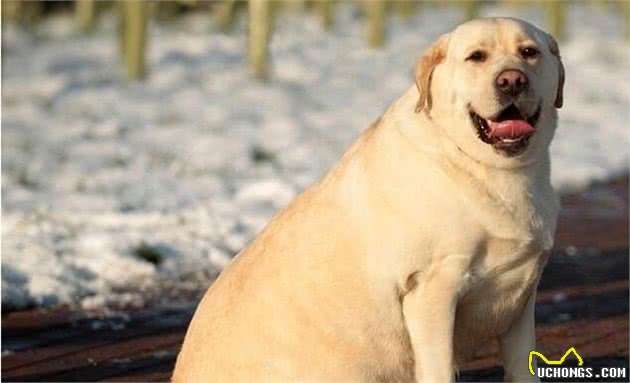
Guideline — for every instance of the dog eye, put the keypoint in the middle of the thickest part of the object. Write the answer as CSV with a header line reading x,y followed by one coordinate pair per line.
x,y
477,56
529,52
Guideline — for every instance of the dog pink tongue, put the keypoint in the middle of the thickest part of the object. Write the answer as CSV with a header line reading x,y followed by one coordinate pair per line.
x,y
510,128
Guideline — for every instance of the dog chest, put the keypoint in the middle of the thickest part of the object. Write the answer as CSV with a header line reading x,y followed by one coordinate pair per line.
x,y
499,288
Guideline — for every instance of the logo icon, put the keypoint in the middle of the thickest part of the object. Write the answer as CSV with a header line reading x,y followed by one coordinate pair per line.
x,y
553,362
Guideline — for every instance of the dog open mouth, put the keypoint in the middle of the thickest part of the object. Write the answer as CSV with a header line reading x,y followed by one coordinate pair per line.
x,y
509,132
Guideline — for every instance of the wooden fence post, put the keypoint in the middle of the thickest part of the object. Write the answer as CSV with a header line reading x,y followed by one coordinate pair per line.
x,y
326,10
626,18
511,3
85,13
133,29
597,3
164,10
471,9
556,18
26,13
375,10
259,37
11,11
405,8
224,14
293,5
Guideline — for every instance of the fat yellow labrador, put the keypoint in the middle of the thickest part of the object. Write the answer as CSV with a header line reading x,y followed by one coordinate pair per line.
x,y
425,241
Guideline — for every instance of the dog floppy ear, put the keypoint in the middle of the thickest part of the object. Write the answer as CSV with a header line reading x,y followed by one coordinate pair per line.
x,y
424,70
553,47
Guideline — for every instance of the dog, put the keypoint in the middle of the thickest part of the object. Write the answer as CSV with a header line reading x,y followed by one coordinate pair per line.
x,y
426,240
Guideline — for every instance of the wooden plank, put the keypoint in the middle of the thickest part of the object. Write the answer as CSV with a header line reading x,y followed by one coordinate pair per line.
x,y
583,307
546,296
594,339
27,323
97,358
584,269
595,218
495,374
87,333
159,373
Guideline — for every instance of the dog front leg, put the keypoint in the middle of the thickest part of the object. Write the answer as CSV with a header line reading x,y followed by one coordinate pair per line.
x,y
429,311
517,343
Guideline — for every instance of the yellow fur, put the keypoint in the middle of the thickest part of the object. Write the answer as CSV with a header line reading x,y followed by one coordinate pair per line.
x,y
420,245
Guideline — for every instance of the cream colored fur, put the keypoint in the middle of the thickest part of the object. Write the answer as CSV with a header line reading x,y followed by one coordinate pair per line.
x,y
419,246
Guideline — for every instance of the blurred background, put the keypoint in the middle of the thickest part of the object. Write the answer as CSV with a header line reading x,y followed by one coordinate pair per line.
x,y
144,143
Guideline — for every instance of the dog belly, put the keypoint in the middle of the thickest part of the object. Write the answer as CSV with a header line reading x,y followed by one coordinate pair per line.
x,y
264,331
287,350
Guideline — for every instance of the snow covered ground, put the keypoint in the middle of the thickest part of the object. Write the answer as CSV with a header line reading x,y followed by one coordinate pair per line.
x,y
110,188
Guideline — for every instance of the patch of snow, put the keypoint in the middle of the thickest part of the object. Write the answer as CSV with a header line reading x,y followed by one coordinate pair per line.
x,y
112,187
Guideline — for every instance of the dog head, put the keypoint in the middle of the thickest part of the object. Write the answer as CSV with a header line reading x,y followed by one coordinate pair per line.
x,y
493,85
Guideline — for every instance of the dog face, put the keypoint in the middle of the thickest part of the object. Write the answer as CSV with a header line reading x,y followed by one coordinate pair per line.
x,y
493,85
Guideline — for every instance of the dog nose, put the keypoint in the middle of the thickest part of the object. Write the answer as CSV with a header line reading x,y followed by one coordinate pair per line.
x,y
512,82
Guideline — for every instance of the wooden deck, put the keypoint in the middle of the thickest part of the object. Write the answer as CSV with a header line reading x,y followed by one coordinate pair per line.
x,y
582,303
